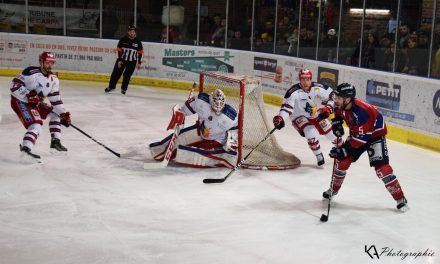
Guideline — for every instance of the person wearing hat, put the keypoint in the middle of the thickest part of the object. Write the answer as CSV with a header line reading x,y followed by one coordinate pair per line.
x,y
130,52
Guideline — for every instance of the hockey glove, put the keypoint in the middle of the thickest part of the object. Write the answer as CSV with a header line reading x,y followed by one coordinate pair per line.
x,y
65,119
278,122
33,98
231,142
340,152
177,119
325,112
338,129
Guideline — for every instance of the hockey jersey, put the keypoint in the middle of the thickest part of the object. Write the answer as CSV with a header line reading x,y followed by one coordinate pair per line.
x,y
298,102
211,126
364,121
45,86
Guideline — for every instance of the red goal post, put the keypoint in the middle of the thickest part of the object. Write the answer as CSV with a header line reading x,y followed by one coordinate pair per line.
x,y
245,94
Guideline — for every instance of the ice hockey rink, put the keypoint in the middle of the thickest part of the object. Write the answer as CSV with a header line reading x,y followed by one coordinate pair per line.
x,y
90,206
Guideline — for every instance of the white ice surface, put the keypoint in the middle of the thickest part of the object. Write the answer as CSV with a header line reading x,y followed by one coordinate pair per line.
x,y
92,207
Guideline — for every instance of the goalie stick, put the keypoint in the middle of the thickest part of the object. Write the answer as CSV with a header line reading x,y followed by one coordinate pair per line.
x,y
220,180
172,144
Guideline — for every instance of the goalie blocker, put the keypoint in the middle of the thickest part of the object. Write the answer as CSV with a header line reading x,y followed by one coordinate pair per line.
x,y
212,142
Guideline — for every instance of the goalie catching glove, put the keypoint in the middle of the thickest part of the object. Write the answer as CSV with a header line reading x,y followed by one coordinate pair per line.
x,y
177,119
231,141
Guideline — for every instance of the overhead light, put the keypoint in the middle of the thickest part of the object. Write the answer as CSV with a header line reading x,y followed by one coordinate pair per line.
x,y
370,11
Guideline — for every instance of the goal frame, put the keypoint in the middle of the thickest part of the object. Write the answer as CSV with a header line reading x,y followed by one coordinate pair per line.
x,y
241,80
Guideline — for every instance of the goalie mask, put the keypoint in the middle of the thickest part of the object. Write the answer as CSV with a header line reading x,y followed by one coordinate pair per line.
x,y
217,101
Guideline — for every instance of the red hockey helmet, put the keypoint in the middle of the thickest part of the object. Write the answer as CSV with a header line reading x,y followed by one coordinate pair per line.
x,y
47,56
305,73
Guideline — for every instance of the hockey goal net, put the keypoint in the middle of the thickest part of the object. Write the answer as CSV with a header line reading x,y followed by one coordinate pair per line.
x,y
246,96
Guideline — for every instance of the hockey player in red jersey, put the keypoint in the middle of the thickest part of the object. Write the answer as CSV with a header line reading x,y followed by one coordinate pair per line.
x,y
35,96
367,133
300,106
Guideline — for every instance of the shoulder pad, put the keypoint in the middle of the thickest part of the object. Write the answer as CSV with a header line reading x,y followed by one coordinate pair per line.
x,y
204,97
31,70
316,84
291,90
229,111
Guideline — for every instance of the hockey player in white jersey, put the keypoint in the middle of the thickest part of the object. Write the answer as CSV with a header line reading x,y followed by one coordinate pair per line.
x,y
308,105
212,141
35,96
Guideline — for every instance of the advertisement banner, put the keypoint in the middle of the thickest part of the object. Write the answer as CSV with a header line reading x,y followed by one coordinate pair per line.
x,y
50,17
410,102
328,76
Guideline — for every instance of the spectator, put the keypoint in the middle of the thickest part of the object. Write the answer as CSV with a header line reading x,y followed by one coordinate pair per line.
x,y
293,42
401,59
413,54
403,36
237,42
368,50
218,37
328,46
436,65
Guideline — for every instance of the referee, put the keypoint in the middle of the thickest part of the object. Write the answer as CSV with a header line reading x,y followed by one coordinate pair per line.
x,y
130,52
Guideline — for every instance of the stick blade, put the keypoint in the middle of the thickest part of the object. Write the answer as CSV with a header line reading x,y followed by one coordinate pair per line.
x,y
324,218
208,181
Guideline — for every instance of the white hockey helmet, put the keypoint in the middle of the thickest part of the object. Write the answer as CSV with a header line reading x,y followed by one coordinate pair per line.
x,y
217,101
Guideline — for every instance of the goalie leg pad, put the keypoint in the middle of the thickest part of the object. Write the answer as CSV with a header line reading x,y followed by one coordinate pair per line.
x,y
200,158
187,136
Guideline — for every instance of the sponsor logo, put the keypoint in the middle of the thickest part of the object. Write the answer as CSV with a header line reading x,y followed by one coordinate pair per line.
x,y
328,77
178,53
436,103
264,64
383,95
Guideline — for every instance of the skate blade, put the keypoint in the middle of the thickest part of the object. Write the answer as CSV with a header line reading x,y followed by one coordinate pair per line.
x,y
55,152
26,159
404,209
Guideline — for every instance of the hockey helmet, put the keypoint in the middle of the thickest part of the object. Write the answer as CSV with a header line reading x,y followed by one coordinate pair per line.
x,y
47,56
217,101
345,90
305,73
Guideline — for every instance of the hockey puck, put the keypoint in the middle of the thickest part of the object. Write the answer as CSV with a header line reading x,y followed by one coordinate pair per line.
x,y
323,218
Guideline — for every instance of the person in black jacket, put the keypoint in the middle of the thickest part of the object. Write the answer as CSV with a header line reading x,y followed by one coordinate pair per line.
x,y
130,52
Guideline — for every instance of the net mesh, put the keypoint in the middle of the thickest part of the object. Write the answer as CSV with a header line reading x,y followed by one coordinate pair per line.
x,y
254,126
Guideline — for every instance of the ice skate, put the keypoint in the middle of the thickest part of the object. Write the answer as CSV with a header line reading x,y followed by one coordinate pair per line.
x,y
27,156
56,147
329,193
320,159
108,89
402,205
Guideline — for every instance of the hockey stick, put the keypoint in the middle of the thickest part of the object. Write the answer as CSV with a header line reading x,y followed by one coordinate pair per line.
x,y
220,180
87,135
324,218
172,143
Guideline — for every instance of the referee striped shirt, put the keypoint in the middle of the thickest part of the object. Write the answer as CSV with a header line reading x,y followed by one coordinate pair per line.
x,y
130,50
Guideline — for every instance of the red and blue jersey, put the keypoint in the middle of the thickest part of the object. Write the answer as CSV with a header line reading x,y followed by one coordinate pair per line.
x,y
364,121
